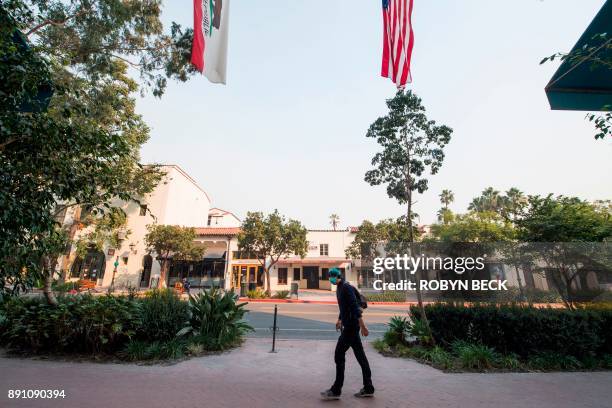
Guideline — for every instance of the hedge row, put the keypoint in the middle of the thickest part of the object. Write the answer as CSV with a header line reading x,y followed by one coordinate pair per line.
x,y
524,331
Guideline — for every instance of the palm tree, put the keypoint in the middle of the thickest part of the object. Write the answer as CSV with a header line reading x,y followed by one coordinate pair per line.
x,y
446,198
514,202
334,220
489,200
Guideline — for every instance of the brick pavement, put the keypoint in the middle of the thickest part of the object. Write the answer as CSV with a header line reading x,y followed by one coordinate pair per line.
x,y
293,377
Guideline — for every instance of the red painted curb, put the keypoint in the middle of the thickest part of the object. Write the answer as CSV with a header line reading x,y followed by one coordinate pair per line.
x,y
320,302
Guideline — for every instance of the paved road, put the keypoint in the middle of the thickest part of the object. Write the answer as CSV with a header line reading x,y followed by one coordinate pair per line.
x,y
313,321
252,377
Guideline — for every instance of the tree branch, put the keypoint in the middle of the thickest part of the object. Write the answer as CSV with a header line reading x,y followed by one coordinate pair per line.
x,y
55,22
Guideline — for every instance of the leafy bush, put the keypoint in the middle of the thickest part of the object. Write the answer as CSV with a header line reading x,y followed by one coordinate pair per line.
x,y
438,357
281,294
164,314
419,330
393,296
216,319
138,350
77,324
554,361
398,332
475,356
65,287
523,331
257,294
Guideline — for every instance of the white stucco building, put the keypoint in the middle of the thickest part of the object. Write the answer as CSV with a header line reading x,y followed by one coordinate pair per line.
x,y
177,200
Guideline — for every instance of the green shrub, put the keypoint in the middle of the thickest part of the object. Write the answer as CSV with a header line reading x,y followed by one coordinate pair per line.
x,y
524,331
476,356
65,287
281,294
81,323
438,357
257,294
553,361
398,331
510,362
217,319
419,330
138,350
393,296
164,314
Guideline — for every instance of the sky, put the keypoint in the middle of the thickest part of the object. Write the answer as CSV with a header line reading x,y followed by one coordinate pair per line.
x,y
287,132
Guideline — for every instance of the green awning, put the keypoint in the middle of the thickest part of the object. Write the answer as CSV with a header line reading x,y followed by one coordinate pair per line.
x,y
582,84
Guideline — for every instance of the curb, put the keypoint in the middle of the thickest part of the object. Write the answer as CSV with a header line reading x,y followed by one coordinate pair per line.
x,y
320,302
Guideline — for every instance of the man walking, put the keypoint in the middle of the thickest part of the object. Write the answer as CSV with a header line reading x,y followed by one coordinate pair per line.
x,y
350,323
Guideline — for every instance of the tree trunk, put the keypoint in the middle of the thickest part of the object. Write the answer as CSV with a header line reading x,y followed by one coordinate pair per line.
x,y
163,273
268,285
408,186
48,270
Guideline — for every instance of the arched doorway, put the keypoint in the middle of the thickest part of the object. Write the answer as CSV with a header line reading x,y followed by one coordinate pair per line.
x,y
91,267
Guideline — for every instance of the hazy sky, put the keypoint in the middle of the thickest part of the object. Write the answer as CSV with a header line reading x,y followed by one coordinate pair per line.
x,y
288,130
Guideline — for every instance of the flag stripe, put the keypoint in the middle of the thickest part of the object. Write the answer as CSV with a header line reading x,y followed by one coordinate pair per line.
x,y
197,47
398,41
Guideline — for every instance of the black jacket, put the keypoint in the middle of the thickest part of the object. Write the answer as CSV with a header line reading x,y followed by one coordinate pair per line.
x,y
350,312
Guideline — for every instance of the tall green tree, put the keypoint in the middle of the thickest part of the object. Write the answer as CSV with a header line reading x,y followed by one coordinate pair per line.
x,y
271,237
172,243
564,232
411,146
83,150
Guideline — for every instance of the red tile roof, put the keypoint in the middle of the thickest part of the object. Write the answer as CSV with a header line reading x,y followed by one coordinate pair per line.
x,y
218,231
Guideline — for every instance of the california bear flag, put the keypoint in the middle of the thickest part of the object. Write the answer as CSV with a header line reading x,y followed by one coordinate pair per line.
x,y
210,33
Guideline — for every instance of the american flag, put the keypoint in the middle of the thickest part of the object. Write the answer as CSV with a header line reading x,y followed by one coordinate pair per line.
x,y
398,40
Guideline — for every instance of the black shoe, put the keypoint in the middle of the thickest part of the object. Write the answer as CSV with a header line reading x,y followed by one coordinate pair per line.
x,y
363,393
329,395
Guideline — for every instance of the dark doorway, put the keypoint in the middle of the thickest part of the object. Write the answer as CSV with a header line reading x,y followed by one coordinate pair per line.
x,y
147,264
91,267
311,274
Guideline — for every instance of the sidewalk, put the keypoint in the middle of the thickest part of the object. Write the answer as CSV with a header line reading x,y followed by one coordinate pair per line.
x,y
293,377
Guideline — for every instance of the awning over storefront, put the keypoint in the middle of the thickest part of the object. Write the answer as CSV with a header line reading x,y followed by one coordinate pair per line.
x,y
583,83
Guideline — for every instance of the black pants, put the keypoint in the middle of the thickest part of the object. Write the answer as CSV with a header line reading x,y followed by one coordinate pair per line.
x,y
349,338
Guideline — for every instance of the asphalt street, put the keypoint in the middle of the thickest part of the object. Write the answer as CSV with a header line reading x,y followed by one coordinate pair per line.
x,y
313,321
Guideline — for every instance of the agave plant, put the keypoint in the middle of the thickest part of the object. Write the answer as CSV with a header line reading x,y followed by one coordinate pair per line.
x,y
216,319
399,329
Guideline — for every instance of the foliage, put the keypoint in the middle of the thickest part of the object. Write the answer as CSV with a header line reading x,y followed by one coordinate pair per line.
x,y
138,350
172,241
78,324
474,356
65,287
524,331
411,144
216,319
564,219
107,228
84,149
597,54
508,206
371,239
281,294
391,296
270,238
474,227
398,331
163,315
257,294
